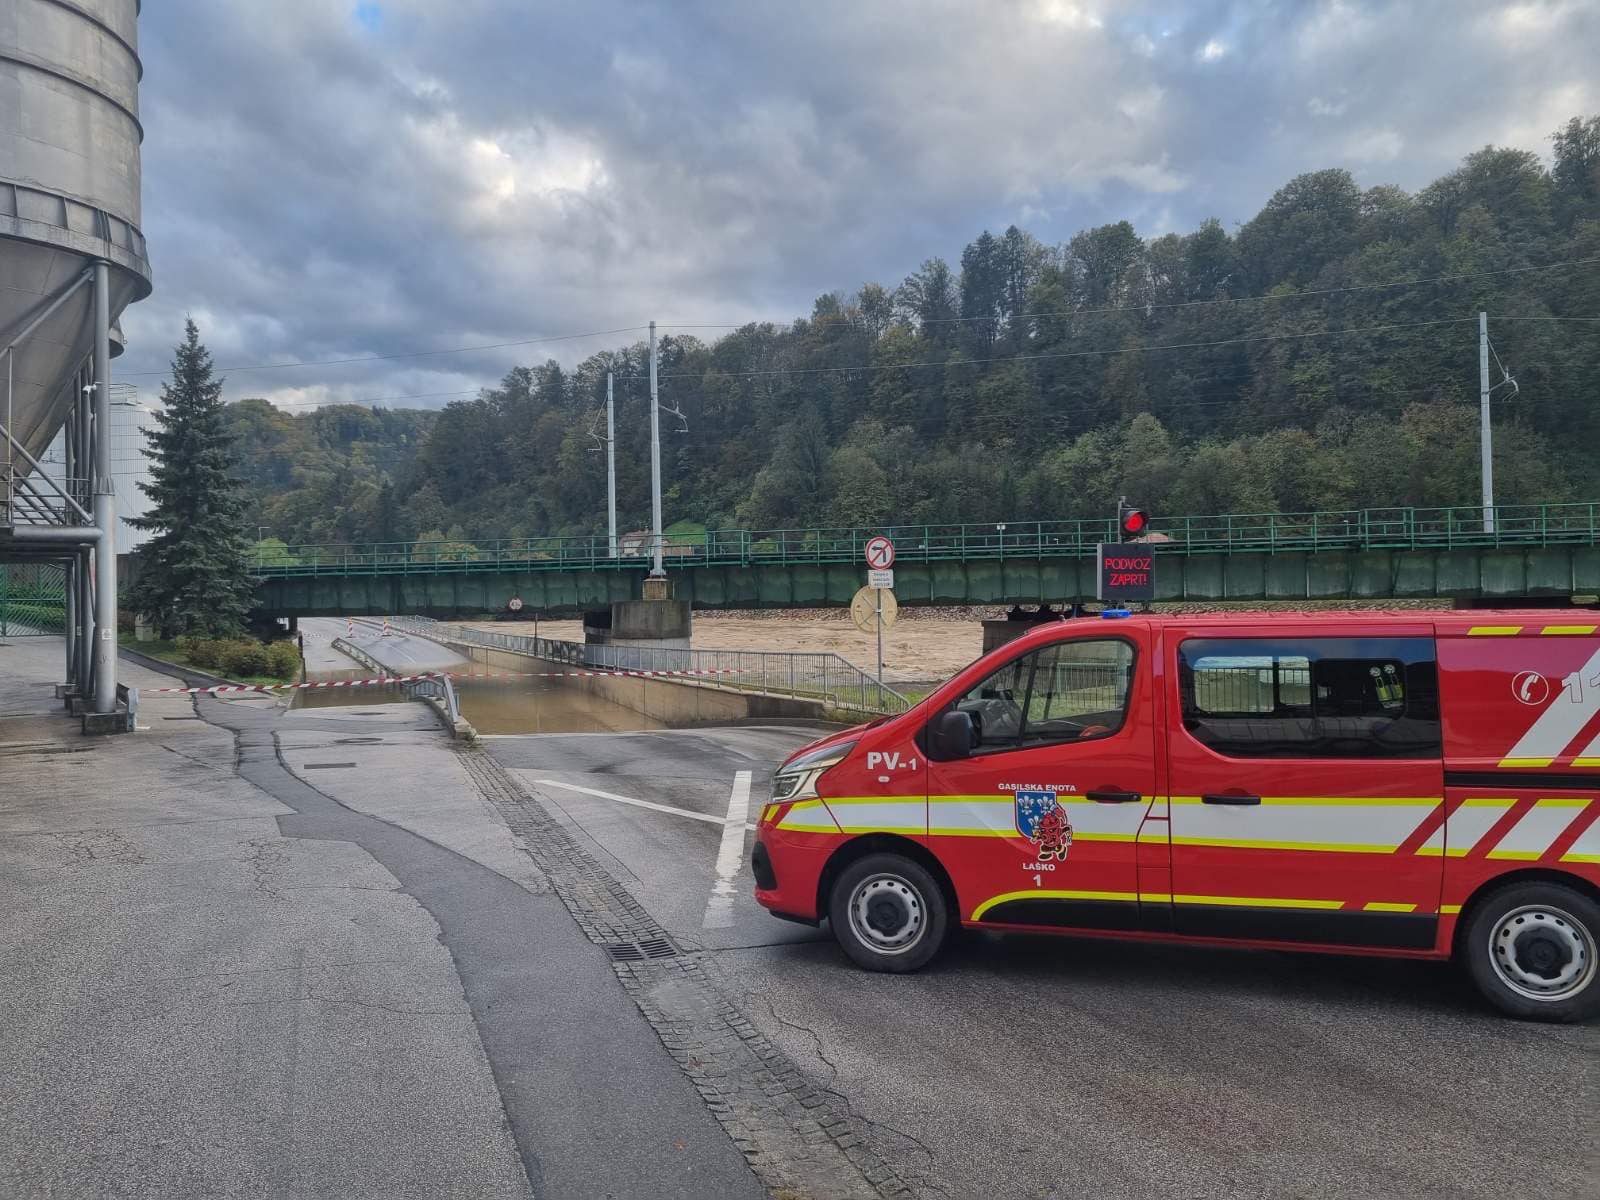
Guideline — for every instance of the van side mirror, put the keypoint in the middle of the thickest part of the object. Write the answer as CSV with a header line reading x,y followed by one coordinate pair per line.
x,y
951,736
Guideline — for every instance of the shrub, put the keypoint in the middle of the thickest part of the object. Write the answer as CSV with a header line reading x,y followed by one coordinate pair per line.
x,y
203,652
283,660
244,658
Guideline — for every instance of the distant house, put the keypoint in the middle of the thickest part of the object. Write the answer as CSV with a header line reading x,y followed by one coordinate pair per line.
x,y
636,544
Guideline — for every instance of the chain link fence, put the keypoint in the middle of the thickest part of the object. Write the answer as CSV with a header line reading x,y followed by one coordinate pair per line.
x,y
33,600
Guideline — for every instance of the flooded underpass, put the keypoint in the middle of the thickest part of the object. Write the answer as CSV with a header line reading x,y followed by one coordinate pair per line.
x,y
504,706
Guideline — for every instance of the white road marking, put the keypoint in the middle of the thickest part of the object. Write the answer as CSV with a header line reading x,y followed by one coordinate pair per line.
x,y
650,804
730,855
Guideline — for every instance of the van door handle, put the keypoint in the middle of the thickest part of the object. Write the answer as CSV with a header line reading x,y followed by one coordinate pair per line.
x,y
1112,797
1224,798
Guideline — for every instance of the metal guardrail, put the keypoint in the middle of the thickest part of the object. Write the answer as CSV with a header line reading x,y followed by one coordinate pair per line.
x,y
437,687
128,697
430,687
827,678
1352,529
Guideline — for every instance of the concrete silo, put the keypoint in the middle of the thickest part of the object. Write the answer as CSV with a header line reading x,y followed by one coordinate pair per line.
x,y
71,258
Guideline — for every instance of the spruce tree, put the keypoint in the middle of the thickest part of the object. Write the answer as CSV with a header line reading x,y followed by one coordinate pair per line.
x,y
194,573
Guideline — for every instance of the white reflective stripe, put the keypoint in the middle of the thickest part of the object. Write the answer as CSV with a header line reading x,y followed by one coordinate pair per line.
x,y
1471,821
1540,826
1433,847
1587,848
1589,756
979,816
1376,829
1560,722
973,816
808,816
891,814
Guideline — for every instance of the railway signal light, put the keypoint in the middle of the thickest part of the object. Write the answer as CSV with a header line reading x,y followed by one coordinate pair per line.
x,y
1131,521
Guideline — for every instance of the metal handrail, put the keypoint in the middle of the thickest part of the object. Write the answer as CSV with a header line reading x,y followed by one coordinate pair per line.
x,y
825,677
1395,528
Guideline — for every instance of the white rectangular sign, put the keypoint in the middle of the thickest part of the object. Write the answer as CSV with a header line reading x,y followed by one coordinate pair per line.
x,y
881,579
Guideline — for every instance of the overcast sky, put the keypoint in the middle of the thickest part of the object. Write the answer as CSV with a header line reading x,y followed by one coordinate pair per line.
x,y
332,178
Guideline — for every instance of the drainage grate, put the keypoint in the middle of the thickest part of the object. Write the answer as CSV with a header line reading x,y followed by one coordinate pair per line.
x,y
639,951
326,766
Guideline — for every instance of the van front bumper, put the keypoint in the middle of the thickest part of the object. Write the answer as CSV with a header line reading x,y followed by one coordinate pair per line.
x,y
787,867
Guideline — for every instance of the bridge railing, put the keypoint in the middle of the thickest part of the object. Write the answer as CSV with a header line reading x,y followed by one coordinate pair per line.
x,y
827,678
1350,529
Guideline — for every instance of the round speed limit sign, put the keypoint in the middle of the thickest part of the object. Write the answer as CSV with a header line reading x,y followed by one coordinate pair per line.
x,y
880,553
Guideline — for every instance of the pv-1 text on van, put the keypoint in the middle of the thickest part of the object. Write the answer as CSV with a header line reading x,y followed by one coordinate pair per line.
x,y
1423,785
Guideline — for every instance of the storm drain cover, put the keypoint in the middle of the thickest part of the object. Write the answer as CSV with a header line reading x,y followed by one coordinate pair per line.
x,y
641,950
327,766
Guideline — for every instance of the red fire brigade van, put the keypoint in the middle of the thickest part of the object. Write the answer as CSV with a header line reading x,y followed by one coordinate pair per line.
x,y
1412,784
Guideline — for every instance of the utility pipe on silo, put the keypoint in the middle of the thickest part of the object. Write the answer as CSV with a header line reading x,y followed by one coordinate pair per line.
x,y
105,515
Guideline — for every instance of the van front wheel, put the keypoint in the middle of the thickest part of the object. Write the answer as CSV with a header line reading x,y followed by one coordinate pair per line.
x,y
1531,949
888,913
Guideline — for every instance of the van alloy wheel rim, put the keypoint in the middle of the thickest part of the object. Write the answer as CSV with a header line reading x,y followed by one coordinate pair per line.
x,y
1542,953
887,914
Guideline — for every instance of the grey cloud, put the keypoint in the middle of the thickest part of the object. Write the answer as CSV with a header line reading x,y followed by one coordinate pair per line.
x,y
479,172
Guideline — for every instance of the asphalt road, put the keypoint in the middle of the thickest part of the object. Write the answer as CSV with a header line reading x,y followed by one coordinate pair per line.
x,y
399,651
1050,1067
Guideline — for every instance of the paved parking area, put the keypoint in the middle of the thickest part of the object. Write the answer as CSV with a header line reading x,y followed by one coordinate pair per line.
x,y
1050,1067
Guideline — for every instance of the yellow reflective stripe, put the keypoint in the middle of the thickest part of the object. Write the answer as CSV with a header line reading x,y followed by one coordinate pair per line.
x,y
1449,909
1046,894
1517,855
1586,762
1383,906
1255,844
1257,902
1488,802
1330,801
1156,897
1579,630
1563,802
1569,856
1430,851
1513,763
1493,630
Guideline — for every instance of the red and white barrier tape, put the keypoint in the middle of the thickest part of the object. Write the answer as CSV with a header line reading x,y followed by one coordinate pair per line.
x,y
222,689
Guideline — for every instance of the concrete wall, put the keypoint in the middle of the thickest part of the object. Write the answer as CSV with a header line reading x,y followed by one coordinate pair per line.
x,y
665,700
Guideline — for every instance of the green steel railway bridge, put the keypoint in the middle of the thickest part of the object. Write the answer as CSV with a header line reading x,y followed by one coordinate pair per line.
x,y
1547,553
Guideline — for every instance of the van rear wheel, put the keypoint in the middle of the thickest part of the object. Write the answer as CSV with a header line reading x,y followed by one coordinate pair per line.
x,y
888,913
1532,950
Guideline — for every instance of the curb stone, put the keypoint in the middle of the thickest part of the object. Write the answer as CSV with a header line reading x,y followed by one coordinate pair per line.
x,y
799,1139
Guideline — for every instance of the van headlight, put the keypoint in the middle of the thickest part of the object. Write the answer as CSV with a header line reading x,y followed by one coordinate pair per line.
x,y
797,780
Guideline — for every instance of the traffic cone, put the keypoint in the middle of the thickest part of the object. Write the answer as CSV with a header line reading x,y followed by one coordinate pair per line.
x,y
386,627
349,627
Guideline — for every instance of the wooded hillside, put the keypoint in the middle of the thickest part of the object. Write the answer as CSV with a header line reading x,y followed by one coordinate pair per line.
x,y
1289,364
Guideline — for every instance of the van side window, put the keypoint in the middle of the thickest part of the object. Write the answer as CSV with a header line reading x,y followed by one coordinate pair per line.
x,y
1312,697
1068,692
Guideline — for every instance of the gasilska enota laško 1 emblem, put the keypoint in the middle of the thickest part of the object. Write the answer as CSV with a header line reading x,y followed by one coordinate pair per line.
x,y
1044,822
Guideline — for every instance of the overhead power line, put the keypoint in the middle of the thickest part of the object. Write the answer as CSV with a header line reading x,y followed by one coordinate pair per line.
x,y
962,362
1057,314
330,362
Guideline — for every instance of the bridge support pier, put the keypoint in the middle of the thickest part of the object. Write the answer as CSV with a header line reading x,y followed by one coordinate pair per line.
x,y
643,624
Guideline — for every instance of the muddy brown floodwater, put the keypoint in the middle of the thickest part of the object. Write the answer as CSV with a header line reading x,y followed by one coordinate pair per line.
x,y
505,706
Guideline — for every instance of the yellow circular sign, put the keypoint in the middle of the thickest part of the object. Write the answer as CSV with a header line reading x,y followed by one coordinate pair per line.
x,y
864,608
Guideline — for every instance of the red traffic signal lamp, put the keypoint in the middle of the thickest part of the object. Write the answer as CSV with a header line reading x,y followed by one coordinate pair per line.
x,y
1132,522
